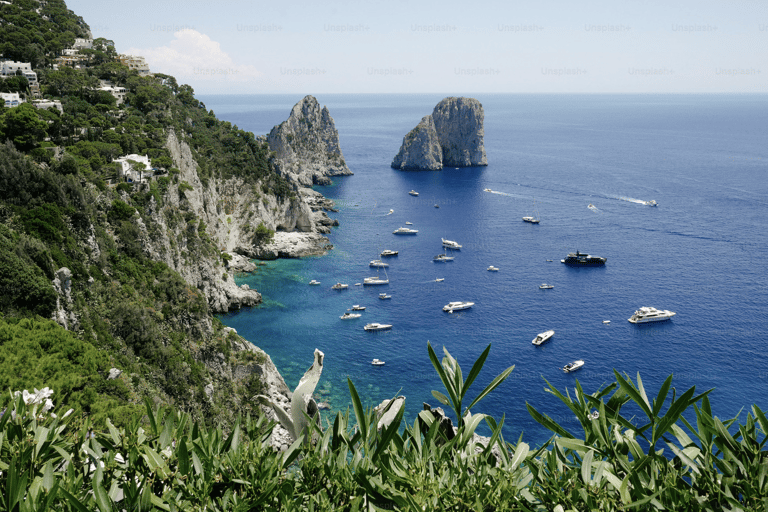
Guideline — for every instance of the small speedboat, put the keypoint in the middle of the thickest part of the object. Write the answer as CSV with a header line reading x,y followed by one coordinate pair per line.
x,y
339,286
377,362
572,367
437,206
442,258
383,296
357,308
413,193
546,286
350,316
606,322
408,223
314,282
388,252
375,326
439,279
651,203
358,284
450,244
457,306
543,337
493,269
487,190
377,263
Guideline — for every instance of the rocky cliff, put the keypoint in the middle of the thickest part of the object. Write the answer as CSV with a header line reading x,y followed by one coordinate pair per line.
x,y
452,136
307,145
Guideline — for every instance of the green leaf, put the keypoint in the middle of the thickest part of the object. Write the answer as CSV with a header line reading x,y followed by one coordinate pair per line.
x,y
547,422
182,455
442,398
441,373
521,451
586,468
99,493
362,420
493,385
74,502
113,433
630,390
662,396
150,415
673,413
475,371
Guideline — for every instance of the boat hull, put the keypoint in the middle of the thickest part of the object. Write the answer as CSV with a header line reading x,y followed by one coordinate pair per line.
x,y
647,320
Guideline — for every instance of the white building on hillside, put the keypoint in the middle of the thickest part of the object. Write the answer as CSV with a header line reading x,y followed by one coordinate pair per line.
x,y
135,62
11,99
46,104
8,68
116,91
83,43
135,173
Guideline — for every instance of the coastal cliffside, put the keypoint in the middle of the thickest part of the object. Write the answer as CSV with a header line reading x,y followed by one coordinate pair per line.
x,y
452,136
307,145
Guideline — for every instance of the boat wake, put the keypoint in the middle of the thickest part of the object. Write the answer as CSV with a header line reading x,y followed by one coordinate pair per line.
x,y
632,200
594,208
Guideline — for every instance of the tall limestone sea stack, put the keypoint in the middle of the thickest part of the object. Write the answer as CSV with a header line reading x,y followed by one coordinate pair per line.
x,y
307,145
452,136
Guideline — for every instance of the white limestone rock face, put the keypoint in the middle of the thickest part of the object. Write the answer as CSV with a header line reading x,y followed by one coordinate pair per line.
x,y
421,149
459,126
307,145
452,136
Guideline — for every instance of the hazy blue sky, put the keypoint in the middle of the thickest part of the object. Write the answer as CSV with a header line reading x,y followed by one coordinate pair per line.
x,y
398,46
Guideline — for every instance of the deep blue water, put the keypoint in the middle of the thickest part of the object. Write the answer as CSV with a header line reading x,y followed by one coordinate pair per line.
x,y
701,253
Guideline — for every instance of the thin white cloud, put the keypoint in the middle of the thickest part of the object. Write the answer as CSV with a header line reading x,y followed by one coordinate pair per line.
x,y
193,57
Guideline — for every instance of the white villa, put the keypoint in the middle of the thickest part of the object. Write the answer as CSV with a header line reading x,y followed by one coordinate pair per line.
x,y
132,174
11,99
135,62
116,91
8,68
46,104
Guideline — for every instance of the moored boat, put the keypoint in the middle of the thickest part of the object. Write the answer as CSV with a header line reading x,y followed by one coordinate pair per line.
x,y
375,326
388,252
349,316
545,286
377,362
493,269
543,337
339,286
647,314
314,282
457,306
572,367
583,260
413,193
450,244
405,231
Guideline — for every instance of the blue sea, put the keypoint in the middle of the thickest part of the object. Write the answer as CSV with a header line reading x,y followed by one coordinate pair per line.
x,y
700,253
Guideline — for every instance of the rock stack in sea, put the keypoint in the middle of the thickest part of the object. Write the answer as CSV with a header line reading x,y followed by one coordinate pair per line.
x,y
452,136
307,145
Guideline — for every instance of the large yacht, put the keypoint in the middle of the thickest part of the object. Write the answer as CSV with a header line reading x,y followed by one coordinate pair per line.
x,y
585,260
648,314
405,231
377,327
456,306
388,252
378,263
543,337
450,244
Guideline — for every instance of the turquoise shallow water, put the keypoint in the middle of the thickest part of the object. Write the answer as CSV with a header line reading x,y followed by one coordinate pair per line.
x,y
700,253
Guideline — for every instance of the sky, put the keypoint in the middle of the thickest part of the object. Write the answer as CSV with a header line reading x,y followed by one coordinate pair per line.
x,y
428,46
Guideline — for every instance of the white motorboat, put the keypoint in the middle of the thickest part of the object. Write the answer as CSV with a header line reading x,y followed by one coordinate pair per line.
x,y
314,282
439,279
350,316
457,306
413,193
606,322
487,190
339,286
377,362
442,258
383,296
437,206
545,286
543,337
375,280
357,308
493,269
391,212
450,244
648,314
408,223
378,263
405,231
358,284
572,367
388,252
651,203
375,326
